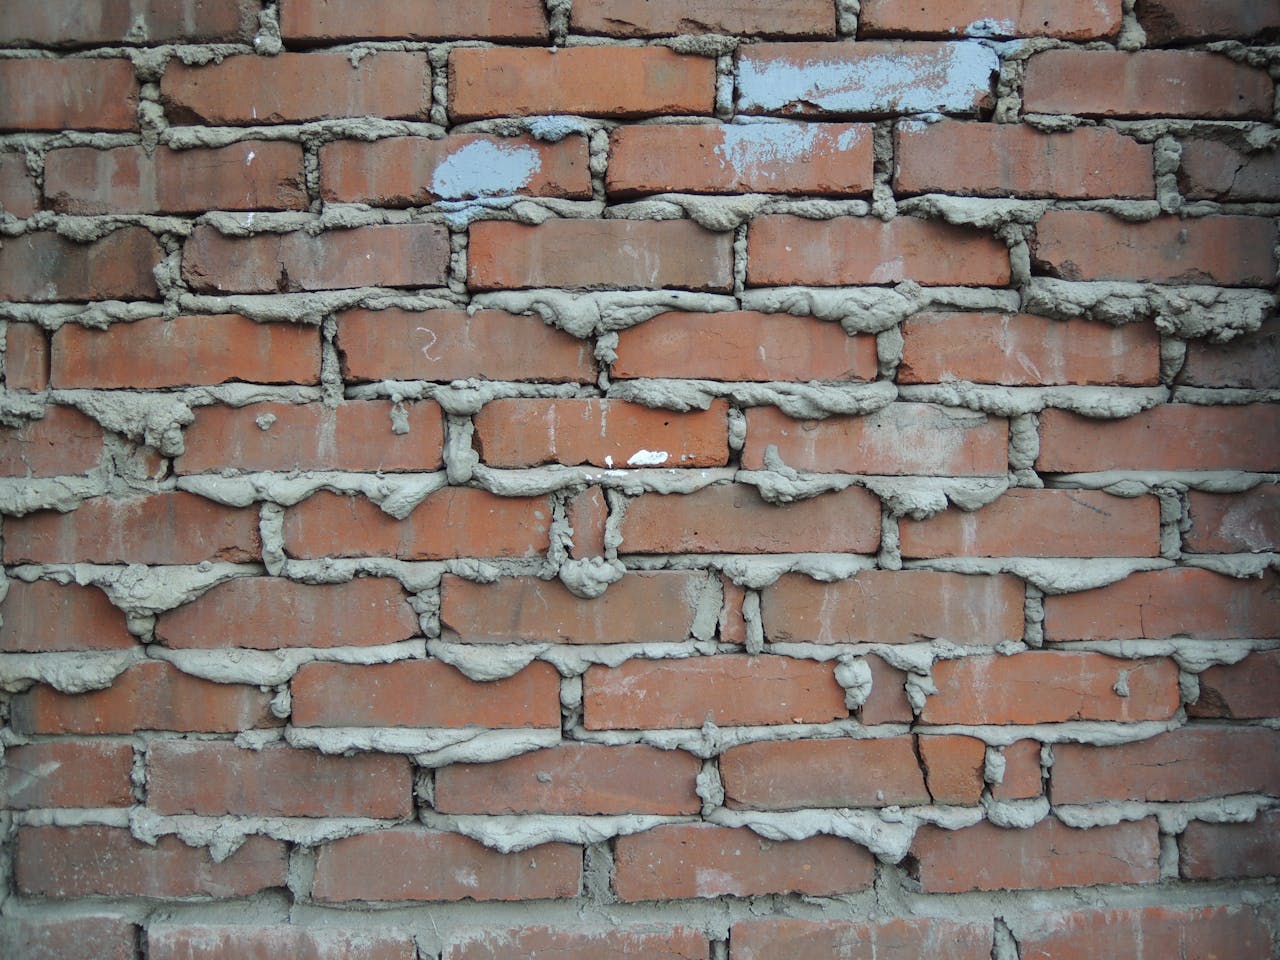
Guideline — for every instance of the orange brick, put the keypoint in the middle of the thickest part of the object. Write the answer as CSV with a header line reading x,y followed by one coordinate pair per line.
x,y
1022,774
1211,851
887,702
766,939
42,267
67,773
655,18
1232,523
45,616
26,357
680,943
1239,691
61,94
1208,932
1215,171
985,18
953,768
45,937
318,21
267,943
18,193
63,442
733,626
587,513
72,23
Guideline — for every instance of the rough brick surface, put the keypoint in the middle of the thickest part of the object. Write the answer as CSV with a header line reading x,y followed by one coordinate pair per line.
x,y
1149,932
818,940
26,358
679,943
43,267
46,616
316,21
1213,851
1173,20
68,23
77,94
104,937
266,943
650,18
67,774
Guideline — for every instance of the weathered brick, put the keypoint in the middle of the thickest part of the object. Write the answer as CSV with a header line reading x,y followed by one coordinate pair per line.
x,y
58,23
642,607
1233,523
1149,83
1174,20
580,778
733,518
1148,932
18,193
388,255
1051,687
1158,604
1022,774
1212,851
655,18
294,87
767,939
1226,250
530,431
42,267
46,616
825,158
1193,763
800,774
784,249
681,861
591,81
422,693
1240,691
727,689
1251,362
741,345
985,18
271,613
62,442
590,254
732,624
452,522
953,768
902,439
413,171
1174,436
245,942
445,345
869,78
151,695
216,779
387,865
67,773
26,357
357,435
60,94
587,513
107,861
1214,171
678,943
319,21
1043,857
1040,523
185,351
887,702
102,937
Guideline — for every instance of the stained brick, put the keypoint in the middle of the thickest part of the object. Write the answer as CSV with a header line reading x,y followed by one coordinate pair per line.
x,y
102,937
1164,21
1212,851
59,94
318,21
18,193
766,939
43,267
1208,932
1214,171
46,616
1251,361
679,943
245,942
67,773
654,18
26,357
1240,691
1022,774
59,23
1233,523
63,442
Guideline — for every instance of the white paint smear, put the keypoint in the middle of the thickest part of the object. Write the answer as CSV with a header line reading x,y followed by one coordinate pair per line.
x,y
755,147
647,458
483,168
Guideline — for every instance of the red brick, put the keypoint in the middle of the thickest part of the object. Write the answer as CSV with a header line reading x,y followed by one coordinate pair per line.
x,y
151,695
887,702
321,20
252,175
271,943
589,254
26,357
530,431
985,18
357,435
1040,523
185,351
740,345
422,693
733,626
1022,774
591,81
160,528
60,94
45,616
295,87
1172,20
580,778
733,518
270,613
1215,171
18,193
1148,933
49,938
678,943
67,773
1157,604
1043,857
1000,160
452,522
1025,350
216,779
1193,763
1239,691
62,442
784,249
656,18
776,937
108,861
1084,245
652,607
1233,523
1171,437
587,513
1211,851
825,158
867,78
413,171
903,439
388,865
59,23
388,255
42,267
1251,361
681,861
1150,83
1051,687
802,774
727,689
953,768
445,345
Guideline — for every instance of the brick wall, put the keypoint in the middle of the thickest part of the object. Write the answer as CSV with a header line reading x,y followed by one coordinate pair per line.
x,y
697,480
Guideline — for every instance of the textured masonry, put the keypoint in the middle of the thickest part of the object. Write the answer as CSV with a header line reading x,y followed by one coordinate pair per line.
x,y
677,479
